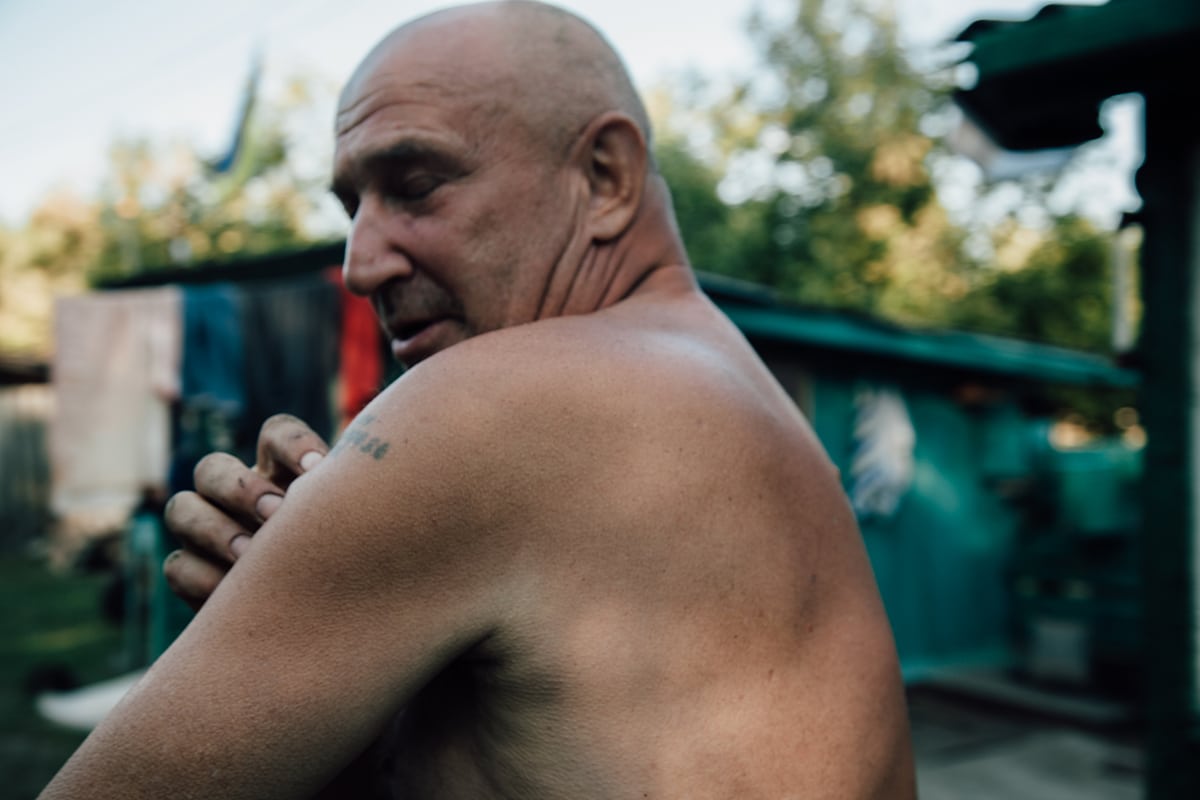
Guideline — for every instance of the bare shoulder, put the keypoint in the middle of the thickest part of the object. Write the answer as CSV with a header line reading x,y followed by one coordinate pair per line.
x,y
657,382
675,353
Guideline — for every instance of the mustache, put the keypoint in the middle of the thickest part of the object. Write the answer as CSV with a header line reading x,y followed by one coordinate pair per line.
x,y
398,305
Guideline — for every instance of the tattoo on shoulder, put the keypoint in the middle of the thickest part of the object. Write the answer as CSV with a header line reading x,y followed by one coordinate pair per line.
x,y
358,437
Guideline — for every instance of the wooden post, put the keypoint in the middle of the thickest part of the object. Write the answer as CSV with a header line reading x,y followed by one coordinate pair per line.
x,y
1169,182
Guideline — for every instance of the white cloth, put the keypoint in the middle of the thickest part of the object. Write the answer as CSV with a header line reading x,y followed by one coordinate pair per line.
x,y
116,371
83,709
883,464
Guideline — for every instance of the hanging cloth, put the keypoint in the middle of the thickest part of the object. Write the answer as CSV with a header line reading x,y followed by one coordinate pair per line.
x,y
360,363
116,372
291,329
213,403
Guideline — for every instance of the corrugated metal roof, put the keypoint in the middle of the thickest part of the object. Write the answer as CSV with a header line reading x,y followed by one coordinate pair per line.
x,y
17,370
957,350
988,25
1042,80
760,314
264,266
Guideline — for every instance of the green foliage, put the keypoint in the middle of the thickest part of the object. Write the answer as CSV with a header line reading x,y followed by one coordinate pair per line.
x,y
160,207
838,110
48,256
1061,294
841,210
817,182
702,217
815,178
50,621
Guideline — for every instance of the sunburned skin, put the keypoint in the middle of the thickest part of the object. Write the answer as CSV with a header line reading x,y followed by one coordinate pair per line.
x,y
586,547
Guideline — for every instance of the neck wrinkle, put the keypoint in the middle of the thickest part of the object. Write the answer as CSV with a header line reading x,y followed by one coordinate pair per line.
x,y
610,272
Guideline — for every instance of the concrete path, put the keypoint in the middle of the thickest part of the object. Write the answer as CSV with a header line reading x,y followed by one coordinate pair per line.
x,y
971,751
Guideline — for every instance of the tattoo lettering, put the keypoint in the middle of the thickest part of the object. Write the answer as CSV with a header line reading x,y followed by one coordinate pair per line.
x,y
361,440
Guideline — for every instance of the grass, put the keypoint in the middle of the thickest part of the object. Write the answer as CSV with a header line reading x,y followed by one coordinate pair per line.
x,y
50,624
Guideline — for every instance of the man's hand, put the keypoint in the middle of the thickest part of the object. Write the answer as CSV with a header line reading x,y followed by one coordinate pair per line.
x,y
216,522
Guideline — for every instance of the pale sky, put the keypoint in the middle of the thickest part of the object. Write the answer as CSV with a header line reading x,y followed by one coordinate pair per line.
x,y
75,74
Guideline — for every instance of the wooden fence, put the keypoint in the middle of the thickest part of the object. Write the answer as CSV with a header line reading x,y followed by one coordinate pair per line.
x,y
25,412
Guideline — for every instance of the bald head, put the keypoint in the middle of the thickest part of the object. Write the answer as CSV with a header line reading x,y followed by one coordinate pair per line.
x,y
494,161
534,64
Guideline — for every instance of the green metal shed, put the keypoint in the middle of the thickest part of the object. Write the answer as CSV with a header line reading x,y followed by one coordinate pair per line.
x,y
1040,83
971,407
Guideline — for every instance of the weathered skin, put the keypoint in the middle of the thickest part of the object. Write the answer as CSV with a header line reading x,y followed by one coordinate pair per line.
x,y
586,548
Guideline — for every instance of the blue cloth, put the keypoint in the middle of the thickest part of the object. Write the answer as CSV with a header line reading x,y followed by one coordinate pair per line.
x,y
294,326
212,409
213,347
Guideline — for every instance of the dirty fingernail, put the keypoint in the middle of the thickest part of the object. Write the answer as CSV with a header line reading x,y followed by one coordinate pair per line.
x,y
310,460
267,504
238,545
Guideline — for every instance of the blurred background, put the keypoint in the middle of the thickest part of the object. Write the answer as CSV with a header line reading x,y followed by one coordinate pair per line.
x,y
955,299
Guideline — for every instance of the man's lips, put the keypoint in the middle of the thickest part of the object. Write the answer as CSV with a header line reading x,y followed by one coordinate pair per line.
x,y
404,331
413,341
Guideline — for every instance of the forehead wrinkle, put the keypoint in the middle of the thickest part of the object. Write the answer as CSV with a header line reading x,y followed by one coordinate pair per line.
x,y
362,103
346,118
446,87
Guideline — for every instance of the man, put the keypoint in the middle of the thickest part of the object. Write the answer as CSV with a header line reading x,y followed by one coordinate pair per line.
x,y
586,547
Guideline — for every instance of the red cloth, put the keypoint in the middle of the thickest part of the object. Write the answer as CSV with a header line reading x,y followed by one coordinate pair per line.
x,y
360,371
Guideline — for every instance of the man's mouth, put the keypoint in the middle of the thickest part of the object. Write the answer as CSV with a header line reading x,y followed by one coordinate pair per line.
x,y
414,341
407,330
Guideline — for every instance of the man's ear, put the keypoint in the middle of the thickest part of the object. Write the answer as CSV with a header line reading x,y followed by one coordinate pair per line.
x,y
615,161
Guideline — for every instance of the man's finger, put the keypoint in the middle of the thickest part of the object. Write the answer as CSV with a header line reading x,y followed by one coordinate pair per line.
x,y
240,491
203,528
191,577
287,448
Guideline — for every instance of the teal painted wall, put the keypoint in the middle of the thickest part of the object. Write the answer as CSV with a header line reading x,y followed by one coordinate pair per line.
x,y
941,558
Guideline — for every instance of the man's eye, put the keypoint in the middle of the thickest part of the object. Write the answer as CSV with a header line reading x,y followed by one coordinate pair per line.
x,y
414,187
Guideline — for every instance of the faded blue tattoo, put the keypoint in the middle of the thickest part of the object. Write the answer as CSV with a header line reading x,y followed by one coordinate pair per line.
x,y
359,438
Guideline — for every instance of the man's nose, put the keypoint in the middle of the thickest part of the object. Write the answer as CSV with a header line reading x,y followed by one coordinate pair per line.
x,y
372,256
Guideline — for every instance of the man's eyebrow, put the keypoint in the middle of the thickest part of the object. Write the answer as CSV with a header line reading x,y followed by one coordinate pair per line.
x,y
406,150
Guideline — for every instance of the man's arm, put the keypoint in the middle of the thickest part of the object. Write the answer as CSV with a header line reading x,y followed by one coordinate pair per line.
x,y
358,589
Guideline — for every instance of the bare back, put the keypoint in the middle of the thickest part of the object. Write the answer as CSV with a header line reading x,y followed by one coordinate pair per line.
x,y
692,613
598,556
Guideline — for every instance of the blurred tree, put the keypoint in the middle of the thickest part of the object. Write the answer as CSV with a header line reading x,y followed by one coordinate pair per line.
x,y
49,256
815,178
704,220
837,196
1058,288
1054,285
160,205
164,206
